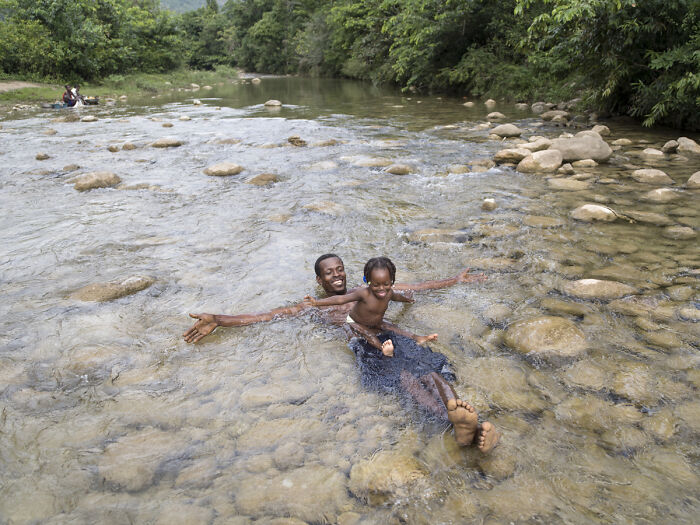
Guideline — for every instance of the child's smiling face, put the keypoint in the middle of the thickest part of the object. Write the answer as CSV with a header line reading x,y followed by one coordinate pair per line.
x,y
380,283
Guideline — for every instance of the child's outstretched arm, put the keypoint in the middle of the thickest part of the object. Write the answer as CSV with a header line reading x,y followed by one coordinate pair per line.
x,y
462,277
334,300
402,297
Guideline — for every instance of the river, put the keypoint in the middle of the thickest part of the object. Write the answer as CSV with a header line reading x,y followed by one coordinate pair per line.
x,y
108,416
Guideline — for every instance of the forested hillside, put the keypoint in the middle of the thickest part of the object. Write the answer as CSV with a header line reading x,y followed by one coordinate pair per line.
x,y
635,57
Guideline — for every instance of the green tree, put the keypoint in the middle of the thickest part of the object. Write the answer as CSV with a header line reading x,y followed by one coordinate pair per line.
x,y
639,57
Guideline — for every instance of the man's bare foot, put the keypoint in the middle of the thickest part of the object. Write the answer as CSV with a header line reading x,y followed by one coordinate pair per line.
x,y
388,348
464,421
421,339
487,437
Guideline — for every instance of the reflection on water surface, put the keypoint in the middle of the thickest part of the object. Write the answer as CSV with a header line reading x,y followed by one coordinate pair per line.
x,y
108,416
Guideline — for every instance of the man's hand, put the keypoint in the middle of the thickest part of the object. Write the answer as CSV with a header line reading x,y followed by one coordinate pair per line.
x,y
465,277
309,301
202,328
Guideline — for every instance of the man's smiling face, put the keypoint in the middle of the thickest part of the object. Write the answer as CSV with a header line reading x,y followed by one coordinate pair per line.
x,y
332,276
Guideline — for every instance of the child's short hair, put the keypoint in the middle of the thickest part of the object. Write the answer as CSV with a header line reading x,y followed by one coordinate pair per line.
x,y
317,264
380,262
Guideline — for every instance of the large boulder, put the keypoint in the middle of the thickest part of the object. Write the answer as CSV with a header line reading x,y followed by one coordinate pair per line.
x,y
545,161
583,145
510,155
597,289
686,145
593,212
96,179
101,292
545,336
651,176
507,130
223,169
694,181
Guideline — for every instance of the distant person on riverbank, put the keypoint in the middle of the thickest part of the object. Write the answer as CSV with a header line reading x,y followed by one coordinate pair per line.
x,y
68,97
366,318
414,370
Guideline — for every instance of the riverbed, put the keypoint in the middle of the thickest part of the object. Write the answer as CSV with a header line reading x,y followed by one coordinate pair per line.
x,y
108,416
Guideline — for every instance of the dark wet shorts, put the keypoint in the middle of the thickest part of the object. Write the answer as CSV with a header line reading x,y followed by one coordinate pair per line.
x,y
384,373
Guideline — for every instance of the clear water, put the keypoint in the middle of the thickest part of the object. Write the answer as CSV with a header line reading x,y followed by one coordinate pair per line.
x,y
107,415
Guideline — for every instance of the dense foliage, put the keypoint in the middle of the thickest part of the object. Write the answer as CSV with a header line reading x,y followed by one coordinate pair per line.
x,y
635,57
83,39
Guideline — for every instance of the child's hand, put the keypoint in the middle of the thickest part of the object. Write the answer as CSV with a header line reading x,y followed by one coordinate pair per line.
x,y
388,348
309,301
465,277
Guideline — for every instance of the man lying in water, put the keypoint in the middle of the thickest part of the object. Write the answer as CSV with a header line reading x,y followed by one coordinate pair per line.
x,y
366,318
431,390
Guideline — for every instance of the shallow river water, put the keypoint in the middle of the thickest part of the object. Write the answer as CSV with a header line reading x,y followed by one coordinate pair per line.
x,y
108,416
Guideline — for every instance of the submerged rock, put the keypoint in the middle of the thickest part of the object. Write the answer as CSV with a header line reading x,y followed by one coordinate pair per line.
x,y
651,176
495,116
96,179
661,195
313,493
568,184
593,212
223,169
385,474
273,103
42,156
597,289
101,292
264,179
648,217
167,142
546,335
398,169
131,462
89,118
679,232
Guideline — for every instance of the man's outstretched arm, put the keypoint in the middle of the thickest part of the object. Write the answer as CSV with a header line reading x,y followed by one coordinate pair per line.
x,y
208,322
462,277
